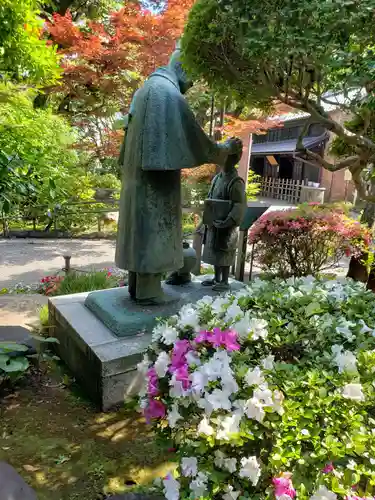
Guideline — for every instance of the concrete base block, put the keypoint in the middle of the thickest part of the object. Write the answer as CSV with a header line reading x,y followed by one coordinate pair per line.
x,y
102,362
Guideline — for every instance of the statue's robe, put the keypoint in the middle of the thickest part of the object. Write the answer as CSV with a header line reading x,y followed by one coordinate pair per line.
x,y
162,138
220,245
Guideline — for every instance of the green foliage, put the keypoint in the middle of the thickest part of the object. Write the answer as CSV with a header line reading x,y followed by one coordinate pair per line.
x,y
76,282
253,185
105,181
45,170
258,49
14,358
277,384
24,56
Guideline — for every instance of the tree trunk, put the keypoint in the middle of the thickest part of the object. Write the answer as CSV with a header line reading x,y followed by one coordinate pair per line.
x,y
357,269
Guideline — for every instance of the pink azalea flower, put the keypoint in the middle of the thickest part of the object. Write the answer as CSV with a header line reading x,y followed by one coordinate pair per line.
x,y
328,468
182,375
283,486
153,385
154,410
180,349
227,339
218,338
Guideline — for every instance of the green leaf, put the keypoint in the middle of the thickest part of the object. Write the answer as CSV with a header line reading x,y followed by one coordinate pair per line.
x,y
12,347
14,365
313,308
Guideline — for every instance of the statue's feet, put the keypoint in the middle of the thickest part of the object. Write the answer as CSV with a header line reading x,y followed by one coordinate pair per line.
x,y
221,287
209,282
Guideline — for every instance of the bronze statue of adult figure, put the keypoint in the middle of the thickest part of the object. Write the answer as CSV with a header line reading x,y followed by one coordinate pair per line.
x,y
162,138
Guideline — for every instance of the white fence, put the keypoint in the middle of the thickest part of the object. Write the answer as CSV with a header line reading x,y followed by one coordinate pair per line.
x,y
281,189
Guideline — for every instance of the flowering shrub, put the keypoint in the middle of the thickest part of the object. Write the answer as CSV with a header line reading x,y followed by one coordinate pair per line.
x,y
82,282
306,240
268,392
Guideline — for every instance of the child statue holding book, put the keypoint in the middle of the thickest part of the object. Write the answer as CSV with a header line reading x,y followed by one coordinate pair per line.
x,y
223,214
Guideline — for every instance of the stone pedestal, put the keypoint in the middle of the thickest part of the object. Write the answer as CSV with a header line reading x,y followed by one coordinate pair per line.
x,y
103,353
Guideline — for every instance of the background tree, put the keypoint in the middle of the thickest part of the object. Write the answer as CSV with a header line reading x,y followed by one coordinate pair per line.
x,y
24,56
105,61
304,54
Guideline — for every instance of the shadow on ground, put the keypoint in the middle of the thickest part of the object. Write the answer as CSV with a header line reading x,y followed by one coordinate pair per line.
x,y
66,450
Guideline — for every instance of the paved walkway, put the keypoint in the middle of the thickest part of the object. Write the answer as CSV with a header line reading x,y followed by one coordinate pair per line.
x,y
27,261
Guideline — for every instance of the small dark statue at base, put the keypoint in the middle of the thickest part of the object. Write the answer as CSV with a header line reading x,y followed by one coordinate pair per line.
x,y
183,276
221,233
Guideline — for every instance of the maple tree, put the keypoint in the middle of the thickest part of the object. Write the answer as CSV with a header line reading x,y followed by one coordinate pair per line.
x,y
105,62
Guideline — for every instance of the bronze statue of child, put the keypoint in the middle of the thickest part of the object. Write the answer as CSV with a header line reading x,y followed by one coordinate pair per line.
x,y
224,212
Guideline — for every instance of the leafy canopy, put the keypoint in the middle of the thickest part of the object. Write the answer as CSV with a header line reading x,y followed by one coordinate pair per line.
x,y
262,49
308,55
24,56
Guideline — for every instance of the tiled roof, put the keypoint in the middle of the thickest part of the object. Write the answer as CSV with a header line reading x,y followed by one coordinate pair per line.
x,y
288,146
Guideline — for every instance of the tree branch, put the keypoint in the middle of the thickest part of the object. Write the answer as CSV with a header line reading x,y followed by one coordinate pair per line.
x,y
321,162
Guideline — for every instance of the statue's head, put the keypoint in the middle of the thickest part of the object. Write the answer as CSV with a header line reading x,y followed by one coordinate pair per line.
x,y
175,64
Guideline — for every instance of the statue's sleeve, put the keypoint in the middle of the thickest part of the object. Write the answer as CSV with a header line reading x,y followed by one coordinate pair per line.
x,y
237,195
172,139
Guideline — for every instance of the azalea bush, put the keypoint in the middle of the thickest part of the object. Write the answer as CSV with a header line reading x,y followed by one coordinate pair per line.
x,y
267,393
307,240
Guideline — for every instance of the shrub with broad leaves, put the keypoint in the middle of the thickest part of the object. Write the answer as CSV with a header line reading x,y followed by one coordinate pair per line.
x,y
267,393
306,240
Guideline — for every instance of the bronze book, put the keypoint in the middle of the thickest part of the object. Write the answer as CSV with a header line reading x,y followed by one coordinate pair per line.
x,y
216,210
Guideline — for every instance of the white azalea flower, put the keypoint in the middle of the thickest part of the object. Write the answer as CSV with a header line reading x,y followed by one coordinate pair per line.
x,y
323,494
250,469
353,391
192,358
268,363
199,485
365,328
189,466
161,364
171,488
176,388
278,398
219,459
254,376
264,395
188,316
259,328
234,311
173,416
284,497
205,301
344,329
218,304
219,399
228,382
254,410
205,428
199,382
231,494
227,426
345,360
230,464
168,334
